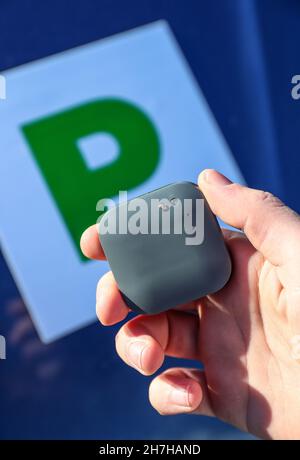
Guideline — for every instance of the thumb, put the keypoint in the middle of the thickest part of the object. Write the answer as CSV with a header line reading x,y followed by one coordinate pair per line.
x,y
272,228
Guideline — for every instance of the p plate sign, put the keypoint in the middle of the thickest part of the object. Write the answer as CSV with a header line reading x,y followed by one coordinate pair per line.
x,y
123,113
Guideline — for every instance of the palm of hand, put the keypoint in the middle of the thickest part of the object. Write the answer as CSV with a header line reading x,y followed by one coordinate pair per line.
x,y
245,345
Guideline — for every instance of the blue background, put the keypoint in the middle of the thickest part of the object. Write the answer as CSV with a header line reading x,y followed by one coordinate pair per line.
x,y
243,54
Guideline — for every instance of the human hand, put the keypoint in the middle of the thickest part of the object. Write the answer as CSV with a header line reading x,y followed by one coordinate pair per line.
x,y
246,335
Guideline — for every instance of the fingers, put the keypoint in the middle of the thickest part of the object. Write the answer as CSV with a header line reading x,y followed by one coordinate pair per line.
x,y
144,341
138,348
264,218
110,306
180,391
90,244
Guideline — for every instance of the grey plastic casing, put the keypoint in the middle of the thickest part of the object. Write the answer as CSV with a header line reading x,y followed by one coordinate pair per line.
x,y
156,272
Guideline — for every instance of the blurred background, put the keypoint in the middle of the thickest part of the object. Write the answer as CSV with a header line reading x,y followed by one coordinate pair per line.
x,y
243,54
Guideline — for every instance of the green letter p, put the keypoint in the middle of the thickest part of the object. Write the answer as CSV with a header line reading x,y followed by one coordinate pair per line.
x,y
75,187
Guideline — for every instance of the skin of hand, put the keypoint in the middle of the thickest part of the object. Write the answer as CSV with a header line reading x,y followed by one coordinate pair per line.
x,y
246,335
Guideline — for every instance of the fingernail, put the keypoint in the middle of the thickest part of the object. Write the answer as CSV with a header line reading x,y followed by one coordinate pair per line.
x,y
212,177
179,397
135,352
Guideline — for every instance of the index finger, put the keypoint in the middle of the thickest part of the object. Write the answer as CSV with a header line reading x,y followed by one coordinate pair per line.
x,y
90,244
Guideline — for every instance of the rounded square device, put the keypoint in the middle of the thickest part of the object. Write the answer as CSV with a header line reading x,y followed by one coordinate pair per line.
x,y
165,248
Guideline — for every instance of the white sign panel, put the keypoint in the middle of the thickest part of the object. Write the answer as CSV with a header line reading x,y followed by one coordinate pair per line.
x,y
144,68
